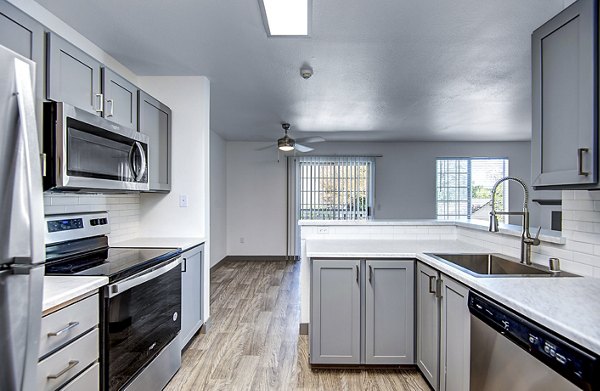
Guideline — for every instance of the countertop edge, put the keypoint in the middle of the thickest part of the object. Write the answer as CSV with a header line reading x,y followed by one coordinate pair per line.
x,y
183,243
61,289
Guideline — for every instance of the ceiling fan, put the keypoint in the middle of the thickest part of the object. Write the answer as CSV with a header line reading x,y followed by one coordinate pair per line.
x,y
287,144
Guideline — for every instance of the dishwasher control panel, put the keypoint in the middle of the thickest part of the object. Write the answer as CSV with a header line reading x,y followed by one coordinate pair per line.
x,y
575,363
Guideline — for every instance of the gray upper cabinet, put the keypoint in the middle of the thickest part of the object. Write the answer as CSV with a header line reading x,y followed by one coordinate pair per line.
x,y
335,312
191,293
565,99
455,344
120,99
72,76
389,320
428,324
24,35
155,121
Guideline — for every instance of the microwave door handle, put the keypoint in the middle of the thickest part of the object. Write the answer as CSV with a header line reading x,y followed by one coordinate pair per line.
x,y
144,163
27,213
132,165
140,278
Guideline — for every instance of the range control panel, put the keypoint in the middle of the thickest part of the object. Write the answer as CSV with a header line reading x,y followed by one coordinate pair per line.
x,y
573,362
61,228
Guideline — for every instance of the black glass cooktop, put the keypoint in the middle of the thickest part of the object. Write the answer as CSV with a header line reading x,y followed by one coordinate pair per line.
x,y
114,263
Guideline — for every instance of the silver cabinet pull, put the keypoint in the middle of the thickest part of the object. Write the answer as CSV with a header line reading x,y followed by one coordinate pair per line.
x,y
580,152
438,288
111,109
64,330
71,365
357,273
432,288
370,274
99,103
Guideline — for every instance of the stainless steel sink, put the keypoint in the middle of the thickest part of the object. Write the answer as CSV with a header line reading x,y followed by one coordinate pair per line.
x,y
496,265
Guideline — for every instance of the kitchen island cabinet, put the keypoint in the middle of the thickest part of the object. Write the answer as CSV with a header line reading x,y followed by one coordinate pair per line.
x,y
346,330
443,330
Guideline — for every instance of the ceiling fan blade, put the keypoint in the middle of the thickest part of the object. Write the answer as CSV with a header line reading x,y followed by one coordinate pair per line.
x,y
309,140
302,148
267,147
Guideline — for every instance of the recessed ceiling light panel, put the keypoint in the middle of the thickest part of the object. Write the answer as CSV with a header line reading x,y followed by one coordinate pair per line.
x,y
286,17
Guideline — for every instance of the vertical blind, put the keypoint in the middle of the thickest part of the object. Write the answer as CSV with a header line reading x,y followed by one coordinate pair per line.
x,y
334,187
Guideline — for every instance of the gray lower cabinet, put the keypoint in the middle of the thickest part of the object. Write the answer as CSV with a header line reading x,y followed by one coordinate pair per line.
x,y
564,145
389,328
155,121
335,312
120,99
362,312
443,330
428,324
73,76
455,343
191,293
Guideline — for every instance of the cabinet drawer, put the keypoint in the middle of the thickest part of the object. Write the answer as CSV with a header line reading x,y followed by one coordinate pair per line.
x,y
60,367
87,381
62,326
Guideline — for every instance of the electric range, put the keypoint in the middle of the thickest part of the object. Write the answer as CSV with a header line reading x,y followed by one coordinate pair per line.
x,y
141,306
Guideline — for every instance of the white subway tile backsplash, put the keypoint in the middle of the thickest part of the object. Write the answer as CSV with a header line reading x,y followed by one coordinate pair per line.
x,y
123,210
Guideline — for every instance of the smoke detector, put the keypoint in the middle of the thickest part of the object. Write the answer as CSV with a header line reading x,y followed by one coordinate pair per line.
x,y
306,72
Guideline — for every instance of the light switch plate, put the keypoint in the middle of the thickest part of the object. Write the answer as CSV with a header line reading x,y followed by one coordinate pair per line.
x,y
183,201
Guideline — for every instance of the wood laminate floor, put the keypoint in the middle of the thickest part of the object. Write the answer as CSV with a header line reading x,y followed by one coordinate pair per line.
x,y
253,343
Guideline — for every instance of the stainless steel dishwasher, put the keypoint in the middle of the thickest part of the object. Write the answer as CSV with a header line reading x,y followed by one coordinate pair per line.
x,y
511,352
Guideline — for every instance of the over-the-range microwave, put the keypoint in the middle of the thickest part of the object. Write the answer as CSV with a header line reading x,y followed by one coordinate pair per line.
x,y
85,152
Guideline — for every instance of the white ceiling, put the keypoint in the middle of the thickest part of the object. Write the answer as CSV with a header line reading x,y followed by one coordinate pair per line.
x,y
383,69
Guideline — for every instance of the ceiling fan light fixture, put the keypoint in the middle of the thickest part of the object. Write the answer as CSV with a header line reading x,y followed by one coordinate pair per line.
x,y
286,144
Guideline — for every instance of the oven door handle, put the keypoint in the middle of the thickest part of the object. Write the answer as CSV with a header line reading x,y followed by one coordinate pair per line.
x,y
140,278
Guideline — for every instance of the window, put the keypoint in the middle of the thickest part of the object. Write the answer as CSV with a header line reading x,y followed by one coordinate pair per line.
x,y
463,187
335,188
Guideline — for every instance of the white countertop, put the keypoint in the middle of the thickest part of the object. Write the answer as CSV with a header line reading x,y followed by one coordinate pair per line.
x,y
184,243
480,225
60,289
567,305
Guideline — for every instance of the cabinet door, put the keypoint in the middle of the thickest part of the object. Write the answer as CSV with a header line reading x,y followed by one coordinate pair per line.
x,y
428,324
191,294
155,121
24,35
389,315
72,76
564,65
335,312
120,99
455,346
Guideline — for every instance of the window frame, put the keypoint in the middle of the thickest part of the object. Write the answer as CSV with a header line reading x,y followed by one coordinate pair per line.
x,y
469,184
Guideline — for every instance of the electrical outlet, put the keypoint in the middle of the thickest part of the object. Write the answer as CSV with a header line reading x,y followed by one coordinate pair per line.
x,y
323,230
183,201
242,240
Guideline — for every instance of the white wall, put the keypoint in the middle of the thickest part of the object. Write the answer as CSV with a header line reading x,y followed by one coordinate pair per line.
x,y
160,214
404,185
218,199
256,200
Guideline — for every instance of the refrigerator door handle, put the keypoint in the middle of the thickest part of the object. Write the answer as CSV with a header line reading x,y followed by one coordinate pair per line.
x,y
28,208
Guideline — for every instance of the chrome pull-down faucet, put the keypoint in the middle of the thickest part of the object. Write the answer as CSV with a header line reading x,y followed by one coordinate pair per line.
x,y
526,240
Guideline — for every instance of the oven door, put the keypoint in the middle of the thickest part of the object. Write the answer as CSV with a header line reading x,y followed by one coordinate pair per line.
x,y
142,316
94,153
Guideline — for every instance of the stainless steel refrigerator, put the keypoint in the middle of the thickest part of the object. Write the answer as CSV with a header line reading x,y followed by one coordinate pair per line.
x,y
21,225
